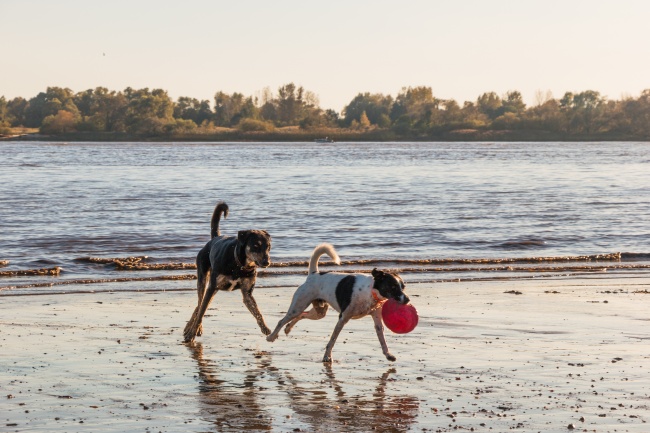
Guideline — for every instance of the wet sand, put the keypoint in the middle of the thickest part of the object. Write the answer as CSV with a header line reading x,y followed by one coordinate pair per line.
x,y
564,353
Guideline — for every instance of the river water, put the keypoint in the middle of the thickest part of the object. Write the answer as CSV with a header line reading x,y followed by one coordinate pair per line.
x,y
434,211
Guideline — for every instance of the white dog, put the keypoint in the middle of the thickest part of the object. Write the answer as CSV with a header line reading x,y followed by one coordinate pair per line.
x,y
352,295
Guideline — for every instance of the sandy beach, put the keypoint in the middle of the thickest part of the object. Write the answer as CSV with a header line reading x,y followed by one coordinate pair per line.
x,y
565,354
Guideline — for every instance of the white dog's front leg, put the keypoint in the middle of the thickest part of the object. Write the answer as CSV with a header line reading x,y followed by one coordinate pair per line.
x,y
379,327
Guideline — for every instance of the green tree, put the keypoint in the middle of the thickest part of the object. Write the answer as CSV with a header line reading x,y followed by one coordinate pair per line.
x,y
545,116
403,126
290,104
148,112
490,104
268,108
421,107
414,102
510,112
269,112
472,116
4,116
331,118
376,106
109,110
584,111
635,115
249,110
84,101
49,103
513,103
193,109
4,111
452,114
16,109
101,110
313,118
230,109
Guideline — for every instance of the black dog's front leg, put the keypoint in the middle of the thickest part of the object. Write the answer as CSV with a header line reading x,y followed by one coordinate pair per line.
x,y
250,303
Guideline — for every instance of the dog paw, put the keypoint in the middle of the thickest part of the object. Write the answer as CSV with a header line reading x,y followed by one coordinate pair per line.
x,y
327,359
199,331
271,338
189,334
390,357
266,330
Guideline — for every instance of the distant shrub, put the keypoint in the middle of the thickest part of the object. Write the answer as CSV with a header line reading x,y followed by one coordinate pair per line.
x,y
383,121
180,126
506,121
252,125
4,128
62,122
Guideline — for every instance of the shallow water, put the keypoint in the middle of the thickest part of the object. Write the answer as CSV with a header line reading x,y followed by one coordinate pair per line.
x,y
397,203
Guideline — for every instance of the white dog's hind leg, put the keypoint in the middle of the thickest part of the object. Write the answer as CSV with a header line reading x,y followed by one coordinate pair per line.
x,y
298,305
318,311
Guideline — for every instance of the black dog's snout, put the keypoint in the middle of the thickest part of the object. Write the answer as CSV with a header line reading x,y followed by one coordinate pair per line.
x,y
265,263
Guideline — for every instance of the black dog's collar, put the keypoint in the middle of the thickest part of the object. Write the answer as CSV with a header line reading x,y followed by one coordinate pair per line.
x,y
239,264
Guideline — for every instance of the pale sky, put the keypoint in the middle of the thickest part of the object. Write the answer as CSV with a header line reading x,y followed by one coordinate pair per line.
x,y
336,49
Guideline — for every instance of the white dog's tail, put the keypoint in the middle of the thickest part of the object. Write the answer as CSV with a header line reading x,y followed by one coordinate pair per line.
x,y
319,251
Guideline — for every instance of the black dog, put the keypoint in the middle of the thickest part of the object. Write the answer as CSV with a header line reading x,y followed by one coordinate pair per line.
x,y
229,263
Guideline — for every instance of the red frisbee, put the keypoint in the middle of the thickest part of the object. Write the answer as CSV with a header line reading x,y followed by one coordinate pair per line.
x,y
399,318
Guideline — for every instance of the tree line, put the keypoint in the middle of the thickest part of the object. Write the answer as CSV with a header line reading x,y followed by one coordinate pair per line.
x,y
414,113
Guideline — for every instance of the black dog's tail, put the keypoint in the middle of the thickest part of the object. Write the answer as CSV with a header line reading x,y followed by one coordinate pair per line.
x,y
222,208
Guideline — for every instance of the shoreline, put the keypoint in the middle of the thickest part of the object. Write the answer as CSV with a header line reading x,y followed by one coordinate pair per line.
x,y
374,136
481,358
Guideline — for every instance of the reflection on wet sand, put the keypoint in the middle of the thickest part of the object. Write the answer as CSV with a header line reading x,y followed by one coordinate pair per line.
x,y
269,398
230,406
374,410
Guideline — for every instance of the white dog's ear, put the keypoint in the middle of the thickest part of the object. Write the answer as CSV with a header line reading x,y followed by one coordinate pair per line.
x,y
376,273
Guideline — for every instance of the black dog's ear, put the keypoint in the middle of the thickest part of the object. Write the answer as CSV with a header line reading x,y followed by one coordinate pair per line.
x,y
243,235
266,233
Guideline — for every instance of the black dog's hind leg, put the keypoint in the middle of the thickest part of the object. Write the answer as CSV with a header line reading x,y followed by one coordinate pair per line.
x,y
250,303
202,275
318,311
196,322
379,327
202,279
203,271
